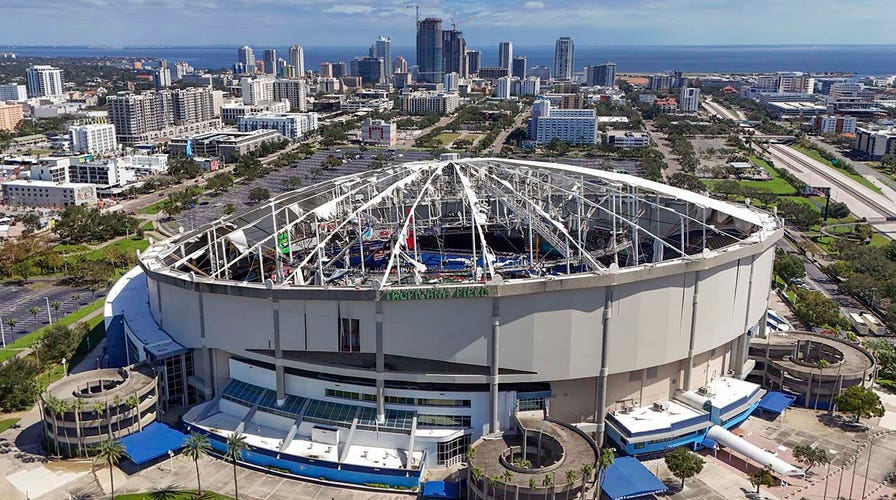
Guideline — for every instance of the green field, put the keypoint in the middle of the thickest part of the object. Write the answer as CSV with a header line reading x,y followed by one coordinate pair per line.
x,y
776,184
815,156
447,137
7,423
127,245
153,209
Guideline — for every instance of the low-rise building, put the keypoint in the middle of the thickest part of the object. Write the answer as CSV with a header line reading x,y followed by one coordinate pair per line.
x,y
10,115
291,125
47,194
424,102
230,113
666,105
790,109
876,141
833,124
379,132
95,138
627,139
225,144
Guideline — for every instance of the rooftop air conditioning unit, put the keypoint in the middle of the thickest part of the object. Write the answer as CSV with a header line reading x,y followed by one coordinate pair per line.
x,y
704,391
660,405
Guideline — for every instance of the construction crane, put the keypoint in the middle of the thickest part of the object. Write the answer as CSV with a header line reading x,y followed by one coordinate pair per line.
x,y
416,7
454,24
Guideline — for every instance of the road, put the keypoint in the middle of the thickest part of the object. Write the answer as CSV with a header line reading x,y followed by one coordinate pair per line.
x,y
499,141
861,200
658,138
721,111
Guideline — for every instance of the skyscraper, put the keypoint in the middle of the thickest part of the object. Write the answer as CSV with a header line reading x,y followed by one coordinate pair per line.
x,y
270,61
297,59
371,70
474,61
161,77
400,65
44,81
338,70
505,55
563,58
429,50
382,48
602,75
326,70
454,52
519,67
245,60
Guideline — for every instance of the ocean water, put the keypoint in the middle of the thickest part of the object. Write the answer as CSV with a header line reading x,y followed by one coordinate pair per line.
x,y
860,59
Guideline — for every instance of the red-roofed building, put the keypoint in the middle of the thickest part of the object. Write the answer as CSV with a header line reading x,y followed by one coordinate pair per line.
x,y
666,105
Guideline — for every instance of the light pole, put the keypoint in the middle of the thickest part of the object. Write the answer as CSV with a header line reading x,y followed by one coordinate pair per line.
x,y
2,333
49,316
64,370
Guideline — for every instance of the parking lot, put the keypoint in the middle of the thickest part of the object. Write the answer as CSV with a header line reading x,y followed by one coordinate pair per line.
x,y
16,302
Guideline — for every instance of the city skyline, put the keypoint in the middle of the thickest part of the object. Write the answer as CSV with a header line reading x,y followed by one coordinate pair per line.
x,y
613,22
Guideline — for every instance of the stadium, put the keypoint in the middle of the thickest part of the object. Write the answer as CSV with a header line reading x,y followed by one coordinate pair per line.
x,y
365,328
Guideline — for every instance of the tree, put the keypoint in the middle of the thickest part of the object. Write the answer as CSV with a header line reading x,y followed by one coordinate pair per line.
x,y
110,452
196,446
571,477
219,183
56,305
687,181
726,188
863,232
762,477
229,209
34,311
291,183
236,445
31,222
19,388
98,409
838,210
810,456
259,194
789,267
12,322
816,309
604,461
861,402
798,214
683,464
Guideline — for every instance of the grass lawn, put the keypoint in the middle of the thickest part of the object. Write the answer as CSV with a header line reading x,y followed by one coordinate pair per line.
x,y
154,208
28,340
149,226
776,184
65,248
127,245
174,495
879,240
447,137
7,423
858,178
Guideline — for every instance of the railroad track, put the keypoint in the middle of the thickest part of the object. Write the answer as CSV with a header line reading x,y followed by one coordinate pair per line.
x,y
834,180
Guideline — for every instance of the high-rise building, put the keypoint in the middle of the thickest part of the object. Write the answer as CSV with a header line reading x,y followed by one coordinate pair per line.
x,y
270,61
542,72
505,55
181,69
399,65
474,61
144,117
10,116
95,138
564,51
245,60
382,48
257,90
161,77
518,68
689,100
429,50
601,75
293,91
451,82
192,105
454,52
574,126
339,70
13,92
44,81
297,60
502,91
326,70
371,70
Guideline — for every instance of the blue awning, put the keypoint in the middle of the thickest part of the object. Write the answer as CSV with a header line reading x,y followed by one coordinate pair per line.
x,y
628,478
154,441
775,402
441,489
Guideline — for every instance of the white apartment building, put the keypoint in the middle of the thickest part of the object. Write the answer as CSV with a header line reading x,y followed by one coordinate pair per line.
x,y
44,81
502,90
149,116
379,132
627,139
95,138
294,91
451,82
13,92
47,194
230,113
835,124
291,125
689,100
256,90
423,102
530,85
574,126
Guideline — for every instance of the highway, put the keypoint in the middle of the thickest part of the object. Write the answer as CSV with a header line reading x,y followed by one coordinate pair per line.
x,y
862,201
717,109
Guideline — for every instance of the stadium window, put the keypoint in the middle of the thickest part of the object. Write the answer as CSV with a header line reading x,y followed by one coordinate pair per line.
x,y
349,335
651,373
634,376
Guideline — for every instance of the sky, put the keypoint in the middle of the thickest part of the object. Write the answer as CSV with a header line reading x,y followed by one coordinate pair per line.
x,y
484,22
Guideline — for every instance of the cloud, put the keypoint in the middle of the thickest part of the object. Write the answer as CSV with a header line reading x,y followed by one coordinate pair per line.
x,y
533,5
349,9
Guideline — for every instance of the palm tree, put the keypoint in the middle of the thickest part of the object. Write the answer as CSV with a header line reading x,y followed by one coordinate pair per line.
x,y
133,402
196,446
571,477
507,477
547,482
110,452
77,406
98,409
236,444
51,406
497,478
77,298
12,322
477,477
604,461
116,401
56,305
34,310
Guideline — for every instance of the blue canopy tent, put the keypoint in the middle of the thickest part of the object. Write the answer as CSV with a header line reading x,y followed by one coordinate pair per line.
x,y
775,402
154,441
628,478
441,489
